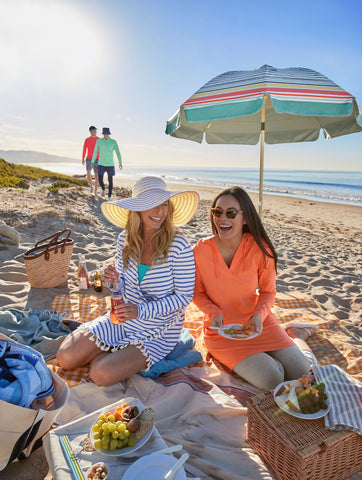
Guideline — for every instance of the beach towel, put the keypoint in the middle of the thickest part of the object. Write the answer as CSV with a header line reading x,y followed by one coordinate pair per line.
x,y
24,375
344,396
182,355
42,330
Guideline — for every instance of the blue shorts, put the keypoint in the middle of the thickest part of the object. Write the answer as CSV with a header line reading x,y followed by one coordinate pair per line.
x,y
89,166
110,170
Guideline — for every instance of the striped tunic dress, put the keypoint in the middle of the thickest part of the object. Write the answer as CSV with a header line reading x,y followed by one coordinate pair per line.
x,y
161,298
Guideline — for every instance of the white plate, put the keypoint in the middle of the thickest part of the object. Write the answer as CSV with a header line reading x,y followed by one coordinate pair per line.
x,y
128,450
305,416
153,467
221,331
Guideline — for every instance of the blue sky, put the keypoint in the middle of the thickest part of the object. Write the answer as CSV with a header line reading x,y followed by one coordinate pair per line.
x,y
68,64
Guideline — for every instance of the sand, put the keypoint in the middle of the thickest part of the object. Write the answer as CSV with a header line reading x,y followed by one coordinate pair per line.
x,y
319,248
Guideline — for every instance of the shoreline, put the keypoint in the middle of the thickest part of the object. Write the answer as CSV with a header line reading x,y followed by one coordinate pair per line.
x,y
250,184
208,192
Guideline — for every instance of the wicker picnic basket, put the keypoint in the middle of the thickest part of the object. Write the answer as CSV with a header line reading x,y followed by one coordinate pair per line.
x,y
298,449
47,264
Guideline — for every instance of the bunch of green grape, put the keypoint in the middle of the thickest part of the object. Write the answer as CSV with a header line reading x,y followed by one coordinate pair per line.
x,y
313,399
109,434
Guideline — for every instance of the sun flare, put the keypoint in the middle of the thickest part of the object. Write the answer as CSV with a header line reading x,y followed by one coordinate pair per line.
x,y
44,39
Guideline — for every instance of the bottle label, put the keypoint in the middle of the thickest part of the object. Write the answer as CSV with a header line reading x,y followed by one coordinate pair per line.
x,y
83,283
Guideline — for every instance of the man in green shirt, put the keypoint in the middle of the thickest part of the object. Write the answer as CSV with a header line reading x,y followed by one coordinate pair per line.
x,y
106,147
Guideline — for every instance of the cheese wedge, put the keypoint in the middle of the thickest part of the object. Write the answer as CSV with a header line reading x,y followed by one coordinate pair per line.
x,y
292,401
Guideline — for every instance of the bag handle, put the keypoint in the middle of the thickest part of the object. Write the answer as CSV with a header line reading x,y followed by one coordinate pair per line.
x,y
24,440
53,238
56,242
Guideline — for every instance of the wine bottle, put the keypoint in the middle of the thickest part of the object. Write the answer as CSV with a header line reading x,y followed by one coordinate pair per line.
x,y
98,282
83,280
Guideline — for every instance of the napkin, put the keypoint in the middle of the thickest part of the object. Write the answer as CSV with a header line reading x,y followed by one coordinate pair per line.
x,y
344,396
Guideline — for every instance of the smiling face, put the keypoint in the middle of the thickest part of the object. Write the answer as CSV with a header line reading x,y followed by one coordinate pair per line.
x,y
230,229
153,219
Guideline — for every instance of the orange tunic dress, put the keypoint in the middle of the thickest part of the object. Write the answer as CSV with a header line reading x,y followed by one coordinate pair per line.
x,y
232,293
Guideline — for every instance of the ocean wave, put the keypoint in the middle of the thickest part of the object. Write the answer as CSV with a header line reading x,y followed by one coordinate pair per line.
x,y
328,186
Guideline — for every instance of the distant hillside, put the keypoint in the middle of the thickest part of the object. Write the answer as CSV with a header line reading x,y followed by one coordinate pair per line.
x,y
20,176
24,157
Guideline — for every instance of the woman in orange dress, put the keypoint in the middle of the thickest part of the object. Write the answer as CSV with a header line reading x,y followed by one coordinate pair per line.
x,y
235,284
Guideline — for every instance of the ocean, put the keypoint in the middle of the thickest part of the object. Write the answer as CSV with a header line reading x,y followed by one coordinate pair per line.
x,y
327,186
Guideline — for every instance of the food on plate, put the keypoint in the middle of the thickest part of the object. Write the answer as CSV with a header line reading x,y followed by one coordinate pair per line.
x,y
239,331
302,396
97,472
112,431
129,412
146,421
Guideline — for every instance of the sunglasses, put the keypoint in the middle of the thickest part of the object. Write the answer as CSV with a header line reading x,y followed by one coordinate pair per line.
x,y
230,212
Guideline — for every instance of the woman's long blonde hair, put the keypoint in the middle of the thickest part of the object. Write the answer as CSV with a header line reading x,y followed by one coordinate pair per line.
x,y
161,240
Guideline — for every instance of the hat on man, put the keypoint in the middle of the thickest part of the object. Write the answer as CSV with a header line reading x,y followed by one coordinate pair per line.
x,y
92,128
149,192
106,131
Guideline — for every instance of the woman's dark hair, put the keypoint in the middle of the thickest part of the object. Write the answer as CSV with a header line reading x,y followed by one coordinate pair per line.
x,y
253,223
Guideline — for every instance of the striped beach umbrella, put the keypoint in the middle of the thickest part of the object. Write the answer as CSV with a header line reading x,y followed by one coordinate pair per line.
x,y
279,105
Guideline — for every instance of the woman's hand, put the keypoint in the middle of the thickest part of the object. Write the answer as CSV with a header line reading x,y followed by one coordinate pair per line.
x,y
217,321
256,322
110,274
126,311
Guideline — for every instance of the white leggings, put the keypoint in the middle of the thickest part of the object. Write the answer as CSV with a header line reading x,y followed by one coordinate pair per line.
x,y
266,370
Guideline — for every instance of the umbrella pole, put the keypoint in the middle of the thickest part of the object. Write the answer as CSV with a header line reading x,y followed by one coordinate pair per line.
x,y
261,172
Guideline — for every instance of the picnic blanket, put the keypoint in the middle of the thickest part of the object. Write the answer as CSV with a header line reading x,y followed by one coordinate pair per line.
x,y
332,343
203,407
211,428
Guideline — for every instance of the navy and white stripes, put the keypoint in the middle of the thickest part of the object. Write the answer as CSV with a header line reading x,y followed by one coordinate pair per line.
x,y
344,396
161,297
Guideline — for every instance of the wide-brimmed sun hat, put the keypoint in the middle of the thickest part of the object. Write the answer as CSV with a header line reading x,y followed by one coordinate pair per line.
x,y
149,192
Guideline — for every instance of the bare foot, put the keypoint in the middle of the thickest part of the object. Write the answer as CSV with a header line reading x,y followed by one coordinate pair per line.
x,y
298,332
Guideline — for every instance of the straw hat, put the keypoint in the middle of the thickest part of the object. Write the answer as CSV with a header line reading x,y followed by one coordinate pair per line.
x,y
149,192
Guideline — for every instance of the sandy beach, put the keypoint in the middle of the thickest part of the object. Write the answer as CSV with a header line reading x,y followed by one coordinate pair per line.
x,y
319,248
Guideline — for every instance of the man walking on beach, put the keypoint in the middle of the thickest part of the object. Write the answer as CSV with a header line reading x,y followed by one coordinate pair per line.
x,y
105,147
88,149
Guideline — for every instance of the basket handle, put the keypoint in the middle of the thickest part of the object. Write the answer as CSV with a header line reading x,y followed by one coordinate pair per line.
x,y
55,242
52,238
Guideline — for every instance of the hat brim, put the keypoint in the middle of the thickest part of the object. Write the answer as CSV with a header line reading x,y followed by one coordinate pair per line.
x,y
185,205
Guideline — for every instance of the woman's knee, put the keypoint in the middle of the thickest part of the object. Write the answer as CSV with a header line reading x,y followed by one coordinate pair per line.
x,y
295,362
100,375
75,351
261,370
65,358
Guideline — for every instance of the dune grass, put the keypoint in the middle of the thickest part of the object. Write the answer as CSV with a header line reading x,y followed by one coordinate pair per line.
x,y
20,176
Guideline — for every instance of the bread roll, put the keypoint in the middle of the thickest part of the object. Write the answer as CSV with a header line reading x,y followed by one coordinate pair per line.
x,y
146,421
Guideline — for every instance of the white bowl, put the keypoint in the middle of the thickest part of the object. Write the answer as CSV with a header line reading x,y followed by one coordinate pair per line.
x,y
98,464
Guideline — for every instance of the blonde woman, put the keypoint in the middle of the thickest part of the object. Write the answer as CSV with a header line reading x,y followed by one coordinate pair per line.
x,y
156,273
